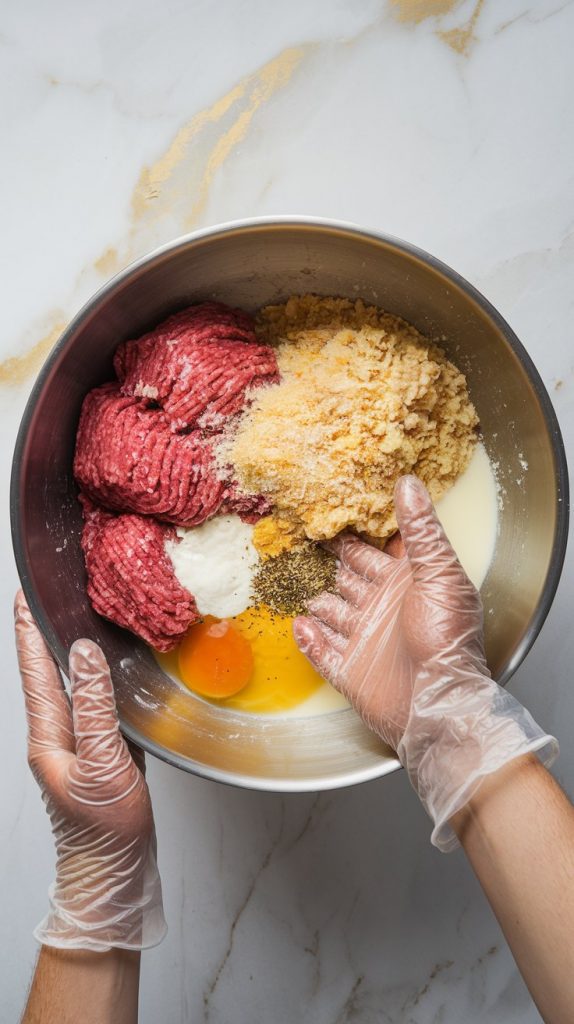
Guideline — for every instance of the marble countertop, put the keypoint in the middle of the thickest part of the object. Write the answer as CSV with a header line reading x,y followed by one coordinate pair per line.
x,y
446,123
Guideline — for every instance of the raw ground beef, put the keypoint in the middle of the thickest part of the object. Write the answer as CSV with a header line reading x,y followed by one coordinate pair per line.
x,y
128,459
145,446
131,579
197,365
210,321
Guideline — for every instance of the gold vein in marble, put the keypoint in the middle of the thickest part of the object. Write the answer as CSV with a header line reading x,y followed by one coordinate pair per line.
x,y
108,263
174,185
415,11
181,178
461,39
263,85
16,369
152,178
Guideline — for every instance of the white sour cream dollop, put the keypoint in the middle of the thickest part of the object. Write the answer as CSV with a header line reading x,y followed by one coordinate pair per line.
x,y
216,562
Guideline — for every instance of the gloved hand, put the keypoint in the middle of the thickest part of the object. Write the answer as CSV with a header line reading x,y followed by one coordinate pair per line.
x,y
402,640
107,890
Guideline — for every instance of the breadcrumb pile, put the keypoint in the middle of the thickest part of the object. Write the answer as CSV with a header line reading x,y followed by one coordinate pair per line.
x,y
363,399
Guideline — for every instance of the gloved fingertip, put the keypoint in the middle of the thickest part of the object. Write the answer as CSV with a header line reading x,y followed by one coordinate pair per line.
x,y
334,544
94,712
87,659
84,647
411,495
413,504
422,533
22,612
303,632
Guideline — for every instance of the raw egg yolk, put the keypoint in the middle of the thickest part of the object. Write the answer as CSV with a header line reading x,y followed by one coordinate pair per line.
x,y
249,663
282,677
215,660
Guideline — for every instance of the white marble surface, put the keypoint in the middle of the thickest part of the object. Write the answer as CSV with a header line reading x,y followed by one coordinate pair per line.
x,y
125,123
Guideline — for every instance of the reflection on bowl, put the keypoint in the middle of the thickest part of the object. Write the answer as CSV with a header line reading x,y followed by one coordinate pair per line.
x,y
249,264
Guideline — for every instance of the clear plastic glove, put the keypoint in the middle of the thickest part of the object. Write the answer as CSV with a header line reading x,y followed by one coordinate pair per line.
x,y
107,891
402,640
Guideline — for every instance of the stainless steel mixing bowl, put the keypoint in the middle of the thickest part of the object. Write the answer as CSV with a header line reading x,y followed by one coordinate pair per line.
x,y
249,264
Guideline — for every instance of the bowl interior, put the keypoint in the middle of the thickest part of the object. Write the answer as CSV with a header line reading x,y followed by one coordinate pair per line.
x,y
251,265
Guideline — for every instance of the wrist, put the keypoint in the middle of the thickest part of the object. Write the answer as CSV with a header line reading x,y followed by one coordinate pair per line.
x,y
96,907
450,711
490,791
80,985
457,735
450,698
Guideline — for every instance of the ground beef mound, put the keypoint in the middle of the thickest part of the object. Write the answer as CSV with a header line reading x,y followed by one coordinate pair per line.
x,y
145,446
131,579
128,459
197,366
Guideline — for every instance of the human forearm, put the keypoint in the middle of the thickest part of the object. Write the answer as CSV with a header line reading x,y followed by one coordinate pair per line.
x,y
105,903
518,833
402,639
72,985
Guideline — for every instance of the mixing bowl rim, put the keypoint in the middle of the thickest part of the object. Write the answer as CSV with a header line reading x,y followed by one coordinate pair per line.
x,y
119,280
